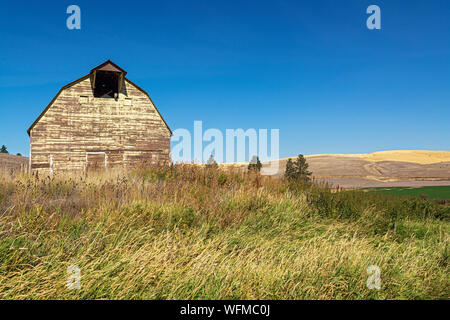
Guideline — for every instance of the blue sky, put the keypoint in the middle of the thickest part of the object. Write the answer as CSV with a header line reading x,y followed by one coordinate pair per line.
x,y
309,68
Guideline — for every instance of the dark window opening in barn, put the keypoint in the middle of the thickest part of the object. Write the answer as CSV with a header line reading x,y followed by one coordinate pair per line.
x,y
106,84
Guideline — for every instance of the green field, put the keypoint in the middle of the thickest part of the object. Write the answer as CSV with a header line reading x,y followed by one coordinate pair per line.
x,y
432,193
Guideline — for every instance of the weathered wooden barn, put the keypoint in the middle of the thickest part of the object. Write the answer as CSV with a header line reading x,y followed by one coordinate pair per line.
x,y
102,120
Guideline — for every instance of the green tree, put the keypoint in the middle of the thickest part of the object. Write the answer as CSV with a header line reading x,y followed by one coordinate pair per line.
x,y
3,149
297,170
255,164
302,167
289,172
19,154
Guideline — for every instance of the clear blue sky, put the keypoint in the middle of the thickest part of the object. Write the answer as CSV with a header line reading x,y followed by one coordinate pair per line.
x,y
309,68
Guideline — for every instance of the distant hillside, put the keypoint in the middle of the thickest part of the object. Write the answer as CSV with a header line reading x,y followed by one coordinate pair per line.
x,y
415,156
378,169
11,162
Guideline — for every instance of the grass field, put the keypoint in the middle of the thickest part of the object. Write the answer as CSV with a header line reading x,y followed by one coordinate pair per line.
x,y
431,193
186,232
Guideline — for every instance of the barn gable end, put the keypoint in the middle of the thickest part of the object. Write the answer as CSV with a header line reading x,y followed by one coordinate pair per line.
x,y
81,130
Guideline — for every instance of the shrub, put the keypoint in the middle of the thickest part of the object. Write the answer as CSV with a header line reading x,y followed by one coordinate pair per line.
x,y
255,164
211,163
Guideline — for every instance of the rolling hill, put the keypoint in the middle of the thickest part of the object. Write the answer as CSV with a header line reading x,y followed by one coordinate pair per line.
x,y
378,169
409,168
10,162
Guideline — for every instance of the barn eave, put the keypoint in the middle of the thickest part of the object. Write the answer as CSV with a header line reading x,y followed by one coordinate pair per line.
x,y
53,100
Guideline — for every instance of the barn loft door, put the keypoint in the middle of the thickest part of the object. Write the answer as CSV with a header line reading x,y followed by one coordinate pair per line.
x,y
107,80
107,84
96,161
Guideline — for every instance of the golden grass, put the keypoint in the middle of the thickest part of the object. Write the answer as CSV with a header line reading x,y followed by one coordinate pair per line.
x,y
188,232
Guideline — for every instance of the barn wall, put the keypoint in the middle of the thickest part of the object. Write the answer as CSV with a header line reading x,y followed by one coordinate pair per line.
x,y
78,127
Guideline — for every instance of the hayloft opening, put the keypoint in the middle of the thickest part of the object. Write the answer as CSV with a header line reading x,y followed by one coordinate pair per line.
x,y
106,84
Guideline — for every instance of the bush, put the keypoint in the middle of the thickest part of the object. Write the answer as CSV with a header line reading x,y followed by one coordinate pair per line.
x,y
211,164
255,164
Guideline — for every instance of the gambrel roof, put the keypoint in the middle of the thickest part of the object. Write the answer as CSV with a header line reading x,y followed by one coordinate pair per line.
x,y
105,66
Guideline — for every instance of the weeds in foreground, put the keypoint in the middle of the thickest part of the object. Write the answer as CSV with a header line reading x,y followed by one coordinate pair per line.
x,y
188,232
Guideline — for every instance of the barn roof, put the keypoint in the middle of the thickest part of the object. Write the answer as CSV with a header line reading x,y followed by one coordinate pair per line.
x,y
108,65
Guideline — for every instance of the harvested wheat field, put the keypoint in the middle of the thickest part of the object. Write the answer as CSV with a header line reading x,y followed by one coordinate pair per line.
x,y
412,156
408,168
9,162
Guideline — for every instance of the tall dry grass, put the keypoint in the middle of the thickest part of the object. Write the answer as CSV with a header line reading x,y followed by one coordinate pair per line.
x,y
188,232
